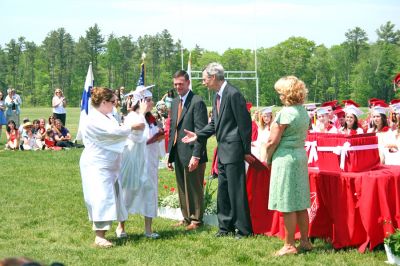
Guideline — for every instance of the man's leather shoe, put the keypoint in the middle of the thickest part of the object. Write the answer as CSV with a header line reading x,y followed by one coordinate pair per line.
x,y
221,234
180,223
192,226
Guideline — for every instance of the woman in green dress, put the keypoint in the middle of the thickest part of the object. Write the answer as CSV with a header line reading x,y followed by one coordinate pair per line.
x,y
289,185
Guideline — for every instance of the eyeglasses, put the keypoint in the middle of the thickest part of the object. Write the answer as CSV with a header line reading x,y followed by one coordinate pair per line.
x,y
113,101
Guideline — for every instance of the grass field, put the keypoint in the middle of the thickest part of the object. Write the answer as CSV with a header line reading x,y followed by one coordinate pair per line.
x,y
43,216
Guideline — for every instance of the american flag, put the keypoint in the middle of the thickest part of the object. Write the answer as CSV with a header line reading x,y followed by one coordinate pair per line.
x,y
141,78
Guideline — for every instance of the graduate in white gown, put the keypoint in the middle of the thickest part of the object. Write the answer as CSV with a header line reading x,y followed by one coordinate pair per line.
x,y
258,147
104,141
140,182
351,121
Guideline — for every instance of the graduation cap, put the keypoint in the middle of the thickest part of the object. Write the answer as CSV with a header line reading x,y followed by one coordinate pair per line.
x,y
322,111
373,100
396,79
339,112
331,104
380,107
310,106
353,110
266,110
350,102
394,101
248,106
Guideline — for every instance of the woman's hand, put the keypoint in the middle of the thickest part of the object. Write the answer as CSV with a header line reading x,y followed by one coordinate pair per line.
x,y
143,106
139,126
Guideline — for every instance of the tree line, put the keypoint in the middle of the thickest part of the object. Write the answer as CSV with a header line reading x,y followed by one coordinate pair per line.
x,y
357,68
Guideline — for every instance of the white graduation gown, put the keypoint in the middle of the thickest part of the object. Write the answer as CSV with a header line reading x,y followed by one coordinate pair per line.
x,y
258,147
133,161
145,200
100,162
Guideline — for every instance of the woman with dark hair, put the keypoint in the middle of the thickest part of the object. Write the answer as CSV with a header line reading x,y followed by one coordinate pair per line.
x,y
351,121
51,123
12,136
104,141
140,183
381,128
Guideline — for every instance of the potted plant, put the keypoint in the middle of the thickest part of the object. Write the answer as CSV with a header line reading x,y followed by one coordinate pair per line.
x,y
392,247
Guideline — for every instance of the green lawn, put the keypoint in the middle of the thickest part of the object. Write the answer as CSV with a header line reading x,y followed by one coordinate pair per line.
x,y
43,216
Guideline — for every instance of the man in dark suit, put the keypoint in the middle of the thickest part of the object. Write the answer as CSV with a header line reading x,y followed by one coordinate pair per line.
x,y
190,112
231,123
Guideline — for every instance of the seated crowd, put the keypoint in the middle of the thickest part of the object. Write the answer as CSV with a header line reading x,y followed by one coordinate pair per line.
x,y
382,119
37,135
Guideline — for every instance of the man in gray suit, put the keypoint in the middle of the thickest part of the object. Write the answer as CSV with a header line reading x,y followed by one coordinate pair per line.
x,y
231,124
188,111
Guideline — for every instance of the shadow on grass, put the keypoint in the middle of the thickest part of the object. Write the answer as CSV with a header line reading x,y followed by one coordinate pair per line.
x,y
164,235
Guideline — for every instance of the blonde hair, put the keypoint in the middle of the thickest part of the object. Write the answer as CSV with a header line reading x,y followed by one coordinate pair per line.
x,y
261,122
292,90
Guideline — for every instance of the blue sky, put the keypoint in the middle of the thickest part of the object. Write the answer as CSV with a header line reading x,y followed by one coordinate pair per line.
x,y
212,24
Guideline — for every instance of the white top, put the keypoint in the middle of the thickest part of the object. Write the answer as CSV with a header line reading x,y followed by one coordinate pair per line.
x,y
58,105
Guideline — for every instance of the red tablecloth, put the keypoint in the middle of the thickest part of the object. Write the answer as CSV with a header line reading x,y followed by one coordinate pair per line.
x,y
348,209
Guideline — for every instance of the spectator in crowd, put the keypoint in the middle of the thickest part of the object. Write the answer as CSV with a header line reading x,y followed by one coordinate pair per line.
x,y
13,104
168,98
62,135
3,120
49,141
29,140
50,124
59,103
12,136
41,132
289,185
122,97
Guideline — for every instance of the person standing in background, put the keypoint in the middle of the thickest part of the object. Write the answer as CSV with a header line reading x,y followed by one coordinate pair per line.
x,y
13,103
3,120
58,104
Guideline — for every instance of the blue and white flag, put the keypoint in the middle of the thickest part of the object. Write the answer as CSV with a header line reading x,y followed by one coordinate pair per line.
x,y
85,103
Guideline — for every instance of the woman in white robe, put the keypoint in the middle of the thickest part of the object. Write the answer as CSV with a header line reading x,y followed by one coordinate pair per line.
x,y
258,147
351,121
104,142
142,197
381,128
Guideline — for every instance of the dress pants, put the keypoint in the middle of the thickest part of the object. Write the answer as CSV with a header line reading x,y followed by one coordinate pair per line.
x,y
191,191
232,204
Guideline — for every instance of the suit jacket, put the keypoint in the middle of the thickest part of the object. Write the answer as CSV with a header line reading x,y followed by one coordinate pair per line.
x,y
232,126
193,117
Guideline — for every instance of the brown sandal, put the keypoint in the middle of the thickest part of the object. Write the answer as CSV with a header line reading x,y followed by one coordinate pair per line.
x,y
305,246
286,250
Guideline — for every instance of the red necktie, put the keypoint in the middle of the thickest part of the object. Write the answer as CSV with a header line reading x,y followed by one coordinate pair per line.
x,y
218,103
